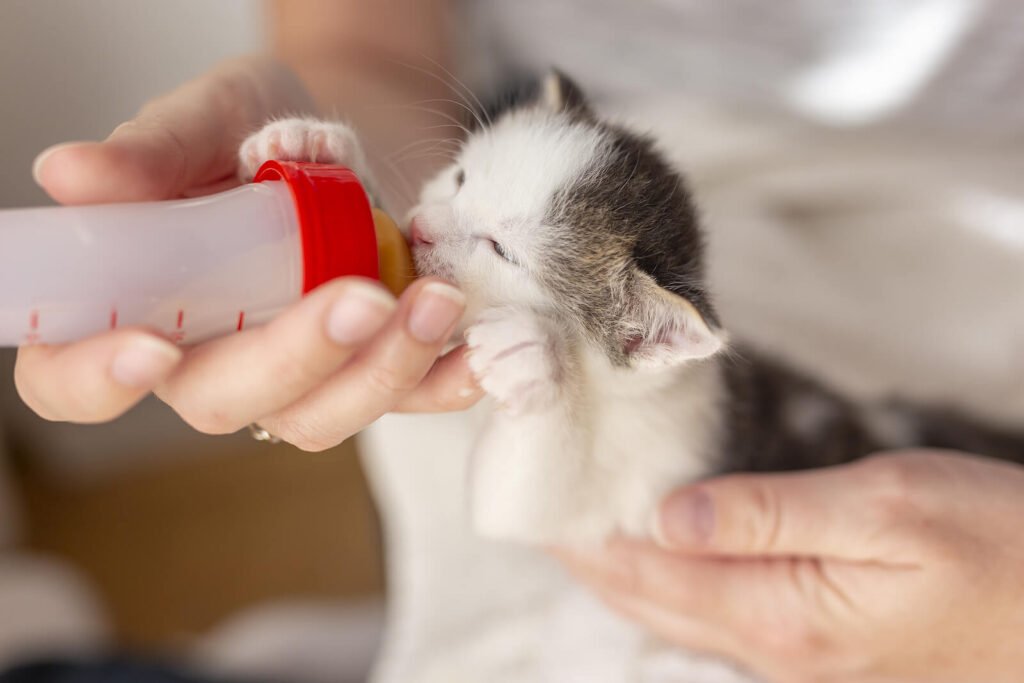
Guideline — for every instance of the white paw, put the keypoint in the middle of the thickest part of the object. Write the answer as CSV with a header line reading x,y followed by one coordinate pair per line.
x,y
325,142
514,359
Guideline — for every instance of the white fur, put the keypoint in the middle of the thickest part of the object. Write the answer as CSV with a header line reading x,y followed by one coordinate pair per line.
x,y
302,139
577,450
511,174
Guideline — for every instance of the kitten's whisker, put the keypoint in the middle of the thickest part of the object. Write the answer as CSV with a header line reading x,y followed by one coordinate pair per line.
x,y
406,192
422,141
443,125
417,157
432,150
465,88
467,108
457,91
444,115
454,122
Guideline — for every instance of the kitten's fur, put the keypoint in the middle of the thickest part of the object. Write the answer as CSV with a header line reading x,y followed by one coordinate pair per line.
x,y
591,326
590,323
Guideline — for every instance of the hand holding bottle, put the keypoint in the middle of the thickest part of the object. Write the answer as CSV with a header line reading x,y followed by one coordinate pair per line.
x,y
319,372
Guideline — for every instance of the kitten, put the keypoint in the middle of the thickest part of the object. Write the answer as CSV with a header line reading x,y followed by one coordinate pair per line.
x,y
590,324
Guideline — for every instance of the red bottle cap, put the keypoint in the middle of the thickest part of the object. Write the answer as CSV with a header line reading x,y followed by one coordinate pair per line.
x,y
335,220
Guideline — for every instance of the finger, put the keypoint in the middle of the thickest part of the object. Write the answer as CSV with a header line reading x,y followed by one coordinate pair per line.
x,y
94,380
185,139
678,629
449,386
225,384
790,597
641,571
827,513
385,371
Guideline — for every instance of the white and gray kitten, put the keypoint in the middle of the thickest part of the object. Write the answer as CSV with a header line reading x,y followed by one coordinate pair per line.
x,y
591,326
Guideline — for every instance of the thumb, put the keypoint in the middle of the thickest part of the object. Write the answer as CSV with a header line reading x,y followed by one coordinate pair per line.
x,y
823,513
136,163
183,140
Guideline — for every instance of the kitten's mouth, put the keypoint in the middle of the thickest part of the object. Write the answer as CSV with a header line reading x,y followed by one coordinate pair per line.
x,y
424,254
426,266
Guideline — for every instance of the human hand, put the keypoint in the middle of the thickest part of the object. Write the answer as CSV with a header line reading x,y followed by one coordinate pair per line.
x,y
328,366
902,567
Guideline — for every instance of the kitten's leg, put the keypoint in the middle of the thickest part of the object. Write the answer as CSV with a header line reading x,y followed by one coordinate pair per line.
x,y
517,359
528,471
304,139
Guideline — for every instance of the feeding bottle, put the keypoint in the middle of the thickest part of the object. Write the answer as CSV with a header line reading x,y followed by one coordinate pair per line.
x,y
192,268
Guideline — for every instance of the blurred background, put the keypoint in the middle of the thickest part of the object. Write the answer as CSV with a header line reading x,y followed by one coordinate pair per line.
x,y
143,532
859,165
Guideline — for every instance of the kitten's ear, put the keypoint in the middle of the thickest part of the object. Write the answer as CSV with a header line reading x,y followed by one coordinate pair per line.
x,y
560,93
667,329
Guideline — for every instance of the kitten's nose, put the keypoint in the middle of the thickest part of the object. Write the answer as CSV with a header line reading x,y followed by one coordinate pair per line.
x,y
417,235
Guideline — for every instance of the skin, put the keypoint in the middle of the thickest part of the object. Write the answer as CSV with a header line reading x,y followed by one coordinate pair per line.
x,y
905,567
305,377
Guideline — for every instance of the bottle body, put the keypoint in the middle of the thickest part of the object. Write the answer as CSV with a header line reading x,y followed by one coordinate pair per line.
x,y
191,269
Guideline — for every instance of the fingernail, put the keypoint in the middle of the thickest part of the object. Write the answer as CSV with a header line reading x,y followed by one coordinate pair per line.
x,y
359,313
437,307
37,165
144,363
686,519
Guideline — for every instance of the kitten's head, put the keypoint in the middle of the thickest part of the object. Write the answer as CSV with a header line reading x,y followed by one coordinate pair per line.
x,y
550,208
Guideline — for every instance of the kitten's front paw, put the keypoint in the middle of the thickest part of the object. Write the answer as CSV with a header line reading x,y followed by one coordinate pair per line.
x,y
515,360
325,142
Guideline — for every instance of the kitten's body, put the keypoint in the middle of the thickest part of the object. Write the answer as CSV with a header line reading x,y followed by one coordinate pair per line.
x,y
592,330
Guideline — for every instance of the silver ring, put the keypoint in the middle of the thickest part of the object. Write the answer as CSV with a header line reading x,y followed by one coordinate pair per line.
x,y
261,434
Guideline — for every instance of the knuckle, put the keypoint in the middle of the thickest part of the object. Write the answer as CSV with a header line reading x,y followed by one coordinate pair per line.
x,y
795,639
451,401
82,403
295,363
294,372
758,529
892,483
301,434
213,422
204,416
389,381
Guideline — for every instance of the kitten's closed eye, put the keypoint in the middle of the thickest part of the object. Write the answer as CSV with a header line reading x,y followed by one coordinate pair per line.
x,y
460,178
501,251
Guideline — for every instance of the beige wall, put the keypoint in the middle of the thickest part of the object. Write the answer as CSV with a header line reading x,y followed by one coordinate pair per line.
x,y
73,69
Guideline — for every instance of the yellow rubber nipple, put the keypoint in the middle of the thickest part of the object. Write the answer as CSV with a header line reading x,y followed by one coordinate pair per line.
x,y
397,270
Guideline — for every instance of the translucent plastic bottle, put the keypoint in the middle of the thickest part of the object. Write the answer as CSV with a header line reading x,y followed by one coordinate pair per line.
x,y
193,268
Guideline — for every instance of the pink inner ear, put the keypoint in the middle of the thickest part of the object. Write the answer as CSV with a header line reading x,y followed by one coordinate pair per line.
x,y
680,344
664,338
633,343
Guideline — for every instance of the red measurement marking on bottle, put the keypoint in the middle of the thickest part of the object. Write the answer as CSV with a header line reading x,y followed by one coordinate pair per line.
x,y
33,325
241,320
113,319
178,335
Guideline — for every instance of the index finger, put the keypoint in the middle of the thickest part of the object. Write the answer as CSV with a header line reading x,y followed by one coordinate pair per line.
x,y
183,140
